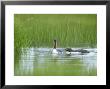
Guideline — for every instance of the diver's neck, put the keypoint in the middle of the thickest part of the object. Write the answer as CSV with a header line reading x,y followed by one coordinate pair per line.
x,y
55,44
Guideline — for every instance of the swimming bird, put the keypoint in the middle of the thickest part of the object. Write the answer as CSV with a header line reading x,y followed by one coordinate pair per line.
x,y
77,51
68,51
55,51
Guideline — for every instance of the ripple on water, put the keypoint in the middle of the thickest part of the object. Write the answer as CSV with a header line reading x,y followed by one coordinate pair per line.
x,y
43,61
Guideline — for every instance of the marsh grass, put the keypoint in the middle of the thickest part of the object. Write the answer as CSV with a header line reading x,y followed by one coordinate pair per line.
x,y
70,30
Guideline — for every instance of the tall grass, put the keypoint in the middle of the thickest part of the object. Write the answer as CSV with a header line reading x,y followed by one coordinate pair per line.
x,y
70,30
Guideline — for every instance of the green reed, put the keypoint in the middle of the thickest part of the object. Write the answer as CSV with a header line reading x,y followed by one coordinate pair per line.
x,y
70,30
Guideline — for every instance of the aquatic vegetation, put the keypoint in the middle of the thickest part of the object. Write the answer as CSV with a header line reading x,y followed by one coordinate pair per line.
x,y
70,30
33,39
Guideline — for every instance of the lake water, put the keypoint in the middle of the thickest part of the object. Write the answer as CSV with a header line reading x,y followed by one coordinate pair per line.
x,y
41,62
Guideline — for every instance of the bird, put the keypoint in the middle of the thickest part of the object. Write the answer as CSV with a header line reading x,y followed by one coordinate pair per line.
x,y
55,51
78,51
68,51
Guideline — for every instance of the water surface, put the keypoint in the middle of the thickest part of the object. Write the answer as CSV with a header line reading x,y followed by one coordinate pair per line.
x,y
41,62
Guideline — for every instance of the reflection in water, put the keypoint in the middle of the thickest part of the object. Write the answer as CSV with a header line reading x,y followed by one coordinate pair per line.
x,y
26,63
40,62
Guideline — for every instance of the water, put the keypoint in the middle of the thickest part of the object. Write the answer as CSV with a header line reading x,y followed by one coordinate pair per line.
x,y
41,62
